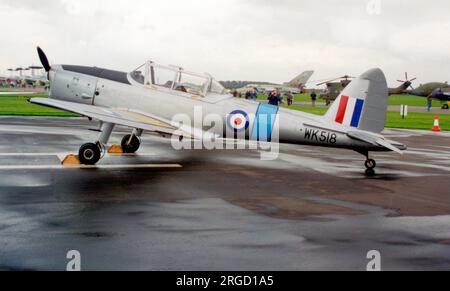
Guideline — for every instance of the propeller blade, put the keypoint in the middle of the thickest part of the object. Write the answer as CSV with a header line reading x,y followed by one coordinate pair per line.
x,y
346,77
413,79
44,60
321,83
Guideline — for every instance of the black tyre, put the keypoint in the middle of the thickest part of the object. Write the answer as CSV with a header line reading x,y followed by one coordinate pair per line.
x,y
370,172
445,106
130,144
89,154
370,164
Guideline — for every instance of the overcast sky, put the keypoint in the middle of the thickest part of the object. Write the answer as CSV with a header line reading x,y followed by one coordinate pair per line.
x,y
260,40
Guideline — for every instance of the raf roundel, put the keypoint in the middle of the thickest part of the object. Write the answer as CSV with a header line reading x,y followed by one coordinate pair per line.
x,y
238,120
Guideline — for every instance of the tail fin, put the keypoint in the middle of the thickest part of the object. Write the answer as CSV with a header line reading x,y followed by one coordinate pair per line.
x,y
301,79
363,103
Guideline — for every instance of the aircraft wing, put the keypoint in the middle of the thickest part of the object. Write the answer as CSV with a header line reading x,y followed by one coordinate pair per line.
x,y
127,117
377,141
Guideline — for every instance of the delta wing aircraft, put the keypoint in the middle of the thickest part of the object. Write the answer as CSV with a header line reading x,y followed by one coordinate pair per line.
x,y
149,97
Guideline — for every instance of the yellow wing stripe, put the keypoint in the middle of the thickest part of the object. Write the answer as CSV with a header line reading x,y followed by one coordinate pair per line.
x,y
148,119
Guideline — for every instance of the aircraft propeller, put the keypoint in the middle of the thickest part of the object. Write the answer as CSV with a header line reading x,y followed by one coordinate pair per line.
x,y
407,82
44,60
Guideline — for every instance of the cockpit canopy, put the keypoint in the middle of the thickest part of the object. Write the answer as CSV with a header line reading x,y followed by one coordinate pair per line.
x,y
176,78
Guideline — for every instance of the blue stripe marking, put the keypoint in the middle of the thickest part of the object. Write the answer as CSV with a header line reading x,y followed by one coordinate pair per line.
x,y
357,113
264,122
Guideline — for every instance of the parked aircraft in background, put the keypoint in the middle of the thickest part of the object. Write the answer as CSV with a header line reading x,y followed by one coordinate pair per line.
x,y
19,76
35,77
335,87
294,86
435,90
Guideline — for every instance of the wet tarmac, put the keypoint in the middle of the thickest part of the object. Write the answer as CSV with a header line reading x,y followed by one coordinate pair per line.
x,y
162,209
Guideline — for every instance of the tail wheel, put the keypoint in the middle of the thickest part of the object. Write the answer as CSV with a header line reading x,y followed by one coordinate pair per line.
x,y
130,143
370,172
89,154
370,164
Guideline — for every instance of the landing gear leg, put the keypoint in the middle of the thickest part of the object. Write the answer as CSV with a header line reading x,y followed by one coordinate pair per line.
x,y
91,153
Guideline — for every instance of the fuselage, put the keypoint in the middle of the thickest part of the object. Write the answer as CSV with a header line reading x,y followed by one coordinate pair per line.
x,y
114,89
439,91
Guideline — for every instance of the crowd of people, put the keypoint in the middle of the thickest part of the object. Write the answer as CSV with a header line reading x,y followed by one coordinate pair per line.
x,y
274,97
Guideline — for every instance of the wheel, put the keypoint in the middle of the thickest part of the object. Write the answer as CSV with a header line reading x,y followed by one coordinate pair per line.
x,y
370,172
445,106
370,164
130,143
89,154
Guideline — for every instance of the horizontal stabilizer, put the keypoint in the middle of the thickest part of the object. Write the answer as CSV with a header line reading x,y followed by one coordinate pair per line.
x,y
365,137
388,145
377,141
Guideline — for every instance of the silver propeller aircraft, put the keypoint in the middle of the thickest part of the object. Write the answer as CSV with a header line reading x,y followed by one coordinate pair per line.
x,y
149,97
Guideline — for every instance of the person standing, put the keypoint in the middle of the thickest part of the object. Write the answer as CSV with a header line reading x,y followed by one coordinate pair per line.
x,y
248,95
313,98
289,98
275,98
253,94
429,103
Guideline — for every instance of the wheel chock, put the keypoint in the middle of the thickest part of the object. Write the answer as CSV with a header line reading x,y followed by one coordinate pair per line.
x,y
115,149
71,160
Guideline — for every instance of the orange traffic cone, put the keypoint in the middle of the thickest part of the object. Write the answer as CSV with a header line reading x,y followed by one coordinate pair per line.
x,y
436,127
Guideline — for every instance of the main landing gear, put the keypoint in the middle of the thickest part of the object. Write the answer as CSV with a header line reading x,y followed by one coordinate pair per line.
x,y
91,153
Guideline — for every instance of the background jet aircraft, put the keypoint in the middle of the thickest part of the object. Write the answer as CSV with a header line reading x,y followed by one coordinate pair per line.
x,y
294,86
144,100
